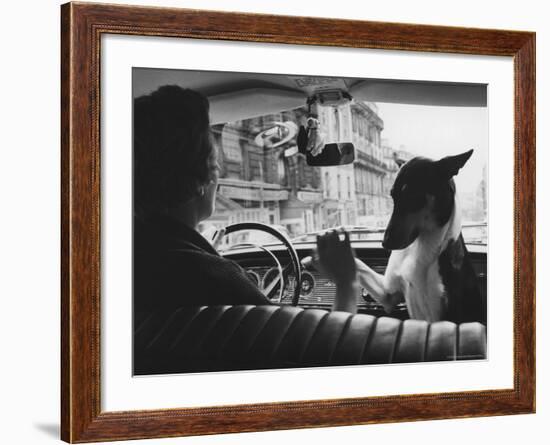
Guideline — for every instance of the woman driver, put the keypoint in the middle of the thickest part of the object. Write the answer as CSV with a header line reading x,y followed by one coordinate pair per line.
x,y
175,181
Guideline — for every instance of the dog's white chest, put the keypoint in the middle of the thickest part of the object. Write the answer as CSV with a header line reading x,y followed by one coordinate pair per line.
x,y
415,273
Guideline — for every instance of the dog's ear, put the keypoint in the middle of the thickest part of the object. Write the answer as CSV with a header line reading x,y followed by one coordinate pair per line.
x,y
400,162
450,165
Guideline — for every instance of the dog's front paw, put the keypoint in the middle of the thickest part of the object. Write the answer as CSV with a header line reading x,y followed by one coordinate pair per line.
x,y
391,301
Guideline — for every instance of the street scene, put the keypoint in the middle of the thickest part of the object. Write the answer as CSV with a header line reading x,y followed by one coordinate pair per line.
x,y
265,179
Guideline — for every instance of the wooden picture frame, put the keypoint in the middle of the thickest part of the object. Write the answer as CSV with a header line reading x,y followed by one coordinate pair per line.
x,y
82,26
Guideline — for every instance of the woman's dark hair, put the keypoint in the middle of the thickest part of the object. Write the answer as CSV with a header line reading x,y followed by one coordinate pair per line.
x,y
171,148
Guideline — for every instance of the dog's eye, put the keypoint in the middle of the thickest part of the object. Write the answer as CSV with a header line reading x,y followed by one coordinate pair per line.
x,y
410,199
415,201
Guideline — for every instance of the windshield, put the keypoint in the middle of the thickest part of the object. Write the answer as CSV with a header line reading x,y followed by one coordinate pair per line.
x,y
264,178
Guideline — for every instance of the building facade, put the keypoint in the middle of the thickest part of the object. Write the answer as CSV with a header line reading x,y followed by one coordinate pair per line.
x,y
263,178
338,207
358,194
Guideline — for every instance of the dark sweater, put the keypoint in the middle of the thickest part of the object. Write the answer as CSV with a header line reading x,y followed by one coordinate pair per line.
x,y
176,266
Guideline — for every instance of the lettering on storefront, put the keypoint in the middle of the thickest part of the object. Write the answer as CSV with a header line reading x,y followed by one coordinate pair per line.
x,y
310,196
253,194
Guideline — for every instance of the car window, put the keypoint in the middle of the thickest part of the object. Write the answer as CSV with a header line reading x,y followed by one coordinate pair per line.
x,y
263,178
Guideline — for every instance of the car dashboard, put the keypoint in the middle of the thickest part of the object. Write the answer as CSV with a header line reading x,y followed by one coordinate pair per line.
x,y
318,291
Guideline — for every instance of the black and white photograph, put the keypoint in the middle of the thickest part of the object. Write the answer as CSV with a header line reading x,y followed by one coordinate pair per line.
x,y
275,222
293,221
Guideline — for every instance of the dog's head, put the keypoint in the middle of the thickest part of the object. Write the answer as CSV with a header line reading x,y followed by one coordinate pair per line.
x,y
423,198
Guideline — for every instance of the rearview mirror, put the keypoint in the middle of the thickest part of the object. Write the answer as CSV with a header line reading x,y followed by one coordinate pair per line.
x,y
332,154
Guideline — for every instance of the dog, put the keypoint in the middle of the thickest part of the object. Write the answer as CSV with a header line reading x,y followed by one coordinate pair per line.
x,y
429,266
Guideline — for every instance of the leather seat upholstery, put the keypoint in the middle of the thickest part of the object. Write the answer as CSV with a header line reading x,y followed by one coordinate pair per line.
x,y
216,338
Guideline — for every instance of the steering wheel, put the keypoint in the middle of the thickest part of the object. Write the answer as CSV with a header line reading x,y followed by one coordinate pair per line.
x,y
283,271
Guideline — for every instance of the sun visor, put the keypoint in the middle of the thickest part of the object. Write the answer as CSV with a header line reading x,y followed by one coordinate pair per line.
x,y
249,103
421,93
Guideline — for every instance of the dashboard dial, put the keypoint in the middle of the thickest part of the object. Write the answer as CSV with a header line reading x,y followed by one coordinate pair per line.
x,y
307,285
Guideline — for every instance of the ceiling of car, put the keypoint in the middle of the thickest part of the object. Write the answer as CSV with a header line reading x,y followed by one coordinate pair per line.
x,y
234,95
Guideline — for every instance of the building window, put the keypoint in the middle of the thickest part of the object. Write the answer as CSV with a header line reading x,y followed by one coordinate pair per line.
x,y
374,136
336,125
361,207
281,171
349,188
339,187
231,144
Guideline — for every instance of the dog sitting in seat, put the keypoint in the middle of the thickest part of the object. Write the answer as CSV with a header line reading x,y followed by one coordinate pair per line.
x,y
429,266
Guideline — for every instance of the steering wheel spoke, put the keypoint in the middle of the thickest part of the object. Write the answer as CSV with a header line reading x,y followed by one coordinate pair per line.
x,y
281,279
271,287
293,266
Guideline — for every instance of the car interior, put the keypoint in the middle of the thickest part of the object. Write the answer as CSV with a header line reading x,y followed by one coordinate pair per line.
x,y
299,329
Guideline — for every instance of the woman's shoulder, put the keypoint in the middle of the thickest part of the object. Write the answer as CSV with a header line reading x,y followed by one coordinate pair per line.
x,y
207,262
182,262
219,278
